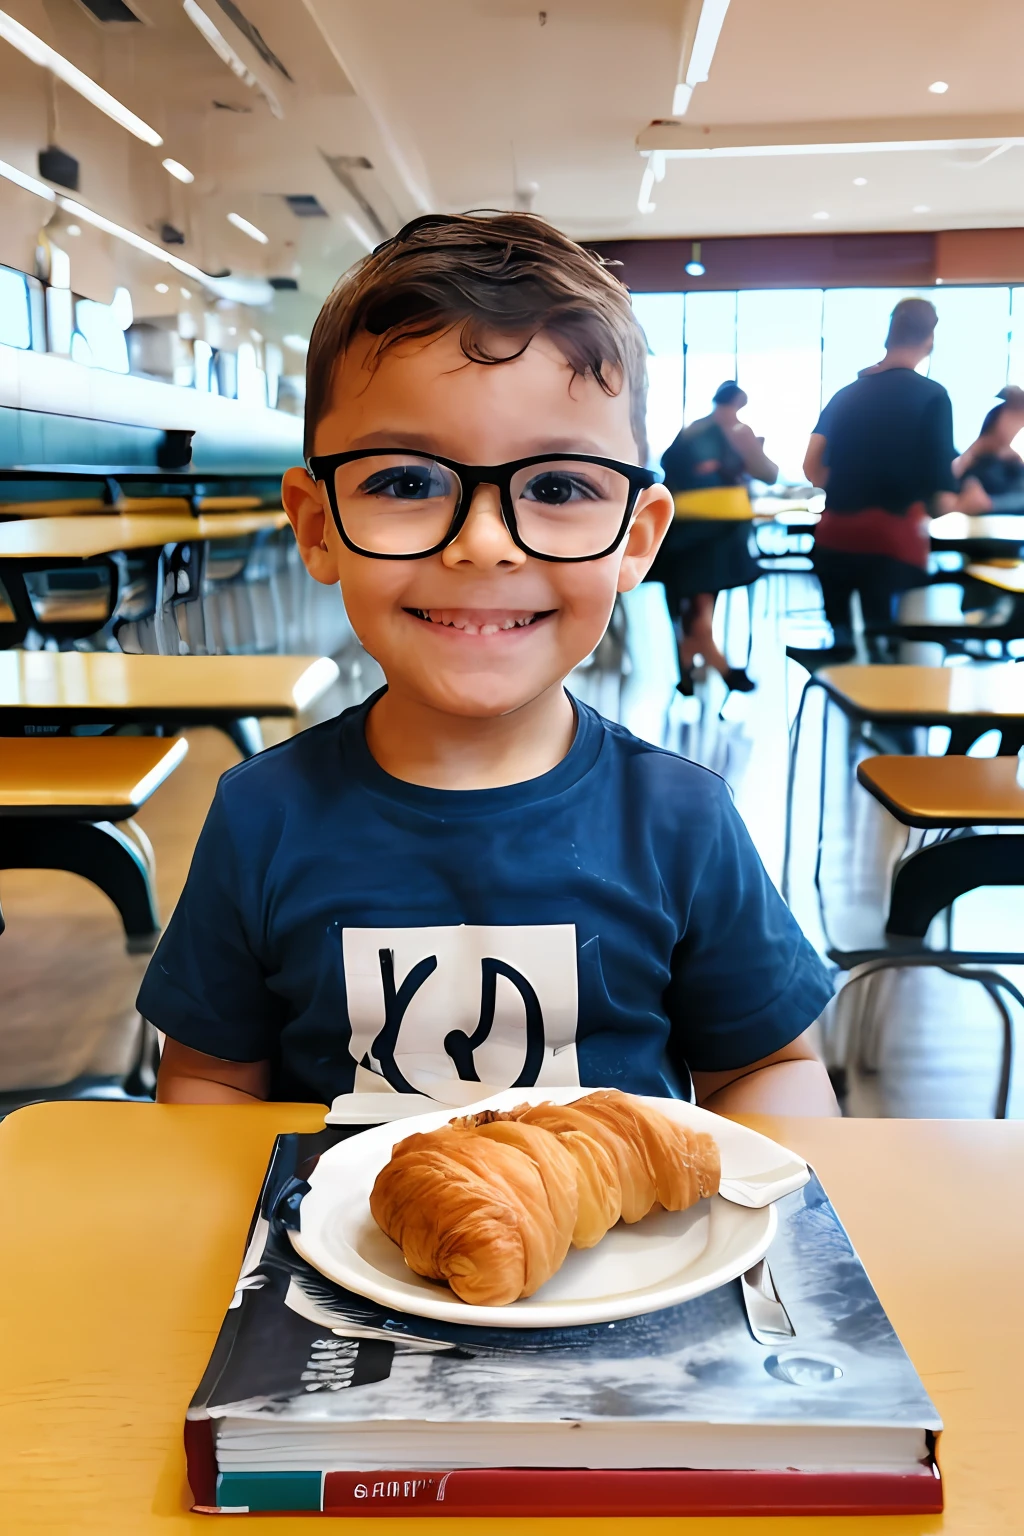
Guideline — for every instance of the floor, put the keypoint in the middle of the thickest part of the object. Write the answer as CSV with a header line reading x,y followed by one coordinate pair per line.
x,y
67,987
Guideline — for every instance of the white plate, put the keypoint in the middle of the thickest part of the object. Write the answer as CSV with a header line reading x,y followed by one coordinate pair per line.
x,y
667,1258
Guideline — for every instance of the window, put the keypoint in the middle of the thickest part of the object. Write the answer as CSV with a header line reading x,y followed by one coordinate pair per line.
x,y
778,364
791,349
971,356
661,315
709,358
99,340
15,310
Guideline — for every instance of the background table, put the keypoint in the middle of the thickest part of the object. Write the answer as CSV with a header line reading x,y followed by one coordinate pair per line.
x,y
82,538
123,1228
946,791
982,693
61,687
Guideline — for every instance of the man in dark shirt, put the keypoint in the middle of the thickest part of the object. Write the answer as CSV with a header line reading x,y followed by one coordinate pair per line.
x,y
883,452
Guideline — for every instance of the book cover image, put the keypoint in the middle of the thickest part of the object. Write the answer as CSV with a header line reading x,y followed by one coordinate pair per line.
x,y
297,1350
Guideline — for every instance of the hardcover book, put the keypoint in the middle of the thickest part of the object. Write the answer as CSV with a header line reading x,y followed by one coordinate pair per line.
x,y
318,1400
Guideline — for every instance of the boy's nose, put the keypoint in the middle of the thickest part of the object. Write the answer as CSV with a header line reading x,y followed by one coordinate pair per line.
x,y
483,538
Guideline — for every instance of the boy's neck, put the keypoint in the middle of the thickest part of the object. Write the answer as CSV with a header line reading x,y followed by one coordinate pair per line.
x,y
420,745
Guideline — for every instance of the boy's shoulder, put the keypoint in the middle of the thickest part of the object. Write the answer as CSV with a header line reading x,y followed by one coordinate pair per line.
x,y
301,759
659,774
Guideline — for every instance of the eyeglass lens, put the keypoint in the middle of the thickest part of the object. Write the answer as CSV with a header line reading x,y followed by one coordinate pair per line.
x,y
403,504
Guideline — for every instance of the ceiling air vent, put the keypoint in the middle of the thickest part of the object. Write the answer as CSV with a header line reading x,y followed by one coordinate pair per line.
x,y
304,206
109,11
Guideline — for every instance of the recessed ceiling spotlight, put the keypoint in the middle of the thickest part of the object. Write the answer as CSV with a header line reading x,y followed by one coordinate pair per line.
x,y
922,208
178,171
74,229
860,181
938,87
821,214
162,288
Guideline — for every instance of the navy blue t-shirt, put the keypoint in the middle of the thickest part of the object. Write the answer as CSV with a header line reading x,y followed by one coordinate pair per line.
x,y
608,924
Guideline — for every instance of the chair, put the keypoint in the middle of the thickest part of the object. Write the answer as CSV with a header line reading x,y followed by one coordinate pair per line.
x,y
68,803
954,796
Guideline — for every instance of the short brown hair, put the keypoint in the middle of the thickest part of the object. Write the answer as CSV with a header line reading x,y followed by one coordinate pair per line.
x,y
488,273
911,323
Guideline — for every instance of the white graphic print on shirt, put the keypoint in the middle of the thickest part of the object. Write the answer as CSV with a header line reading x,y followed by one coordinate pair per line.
x,y
455,1012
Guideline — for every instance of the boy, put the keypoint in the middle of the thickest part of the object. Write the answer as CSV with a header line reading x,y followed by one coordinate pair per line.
x,y
470,881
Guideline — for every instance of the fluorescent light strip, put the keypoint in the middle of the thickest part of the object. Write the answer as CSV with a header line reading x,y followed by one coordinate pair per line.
x,y
227,55
702,51
247,228
895,146
643,202
365,239
129,236
178,171
46,57
705,41
29,183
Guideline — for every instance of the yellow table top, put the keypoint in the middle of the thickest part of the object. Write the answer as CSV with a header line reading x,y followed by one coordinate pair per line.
x,y
946,791
72,506
1008,578
928,694
79,538
105,685
124,1224
84,775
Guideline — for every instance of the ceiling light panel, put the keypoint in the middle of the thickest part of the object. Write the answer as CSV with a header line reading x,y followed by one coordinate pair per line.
x,y
178,171
702,51
46,57
29,183
228,55
247,228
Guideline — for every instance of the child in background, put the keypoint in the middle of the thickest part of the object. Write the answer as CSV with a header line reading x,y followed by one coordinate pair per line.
x,y
472,881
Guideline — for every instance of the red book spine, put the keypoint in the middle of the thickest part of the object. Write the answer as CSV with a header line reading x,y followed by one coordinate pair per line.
x,y
527,1491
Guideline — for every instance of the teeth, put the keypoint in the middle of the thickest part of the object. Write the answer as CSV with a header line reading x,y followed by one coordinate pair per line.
x,y
451,619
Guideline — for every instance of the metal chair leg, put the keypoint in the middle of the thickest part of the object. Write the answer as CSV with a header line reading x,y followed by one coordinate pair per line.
x,y
993,983
246,735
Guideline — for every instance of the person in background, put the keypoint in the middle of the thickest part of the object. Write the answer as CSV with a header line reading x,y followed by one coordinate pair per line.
x,y
707,549
990,466
883,452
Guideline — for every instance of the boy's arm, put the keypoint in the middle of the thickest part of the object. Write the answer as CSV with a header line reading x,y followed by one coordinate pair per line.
x,y
792,1081
191,1077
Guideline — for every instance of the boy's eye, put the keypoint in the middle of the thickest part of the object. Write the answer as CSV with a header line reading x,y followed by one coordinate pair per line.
x,y
408,482
555,488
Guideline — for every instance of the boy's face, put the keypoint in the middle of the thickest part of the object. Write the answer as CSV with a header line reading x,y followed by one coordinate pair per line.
x,y
427,396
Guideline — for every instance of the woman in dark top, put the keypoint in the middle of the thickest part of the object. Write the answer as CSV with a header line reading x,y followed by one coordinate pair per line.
x,y
883,452
707,549
990,467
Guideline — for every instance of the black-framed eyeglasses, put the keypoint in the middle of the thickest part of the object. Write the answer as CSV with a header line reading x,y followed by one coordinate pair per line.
x,y
393,504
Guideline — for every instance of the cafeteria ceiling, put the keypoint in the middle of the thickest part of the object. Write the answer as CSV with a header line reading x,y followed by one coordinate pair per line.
x,y
385,108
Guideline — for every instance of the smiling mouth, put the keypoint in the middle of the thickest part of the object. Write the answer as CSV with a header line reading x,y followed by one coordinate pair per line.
x,y
479,621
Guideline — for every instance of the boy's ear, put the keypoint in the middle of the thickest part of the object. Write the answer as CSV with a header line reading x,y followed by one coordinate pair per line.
x,y
302,499
651,521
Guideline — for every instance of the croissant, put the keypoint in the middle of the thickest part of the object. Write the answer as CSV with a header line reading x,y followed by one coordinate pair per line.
x,y
492,1202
